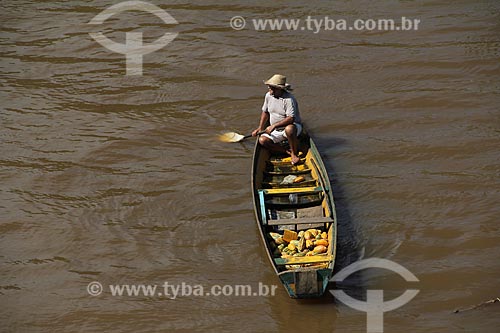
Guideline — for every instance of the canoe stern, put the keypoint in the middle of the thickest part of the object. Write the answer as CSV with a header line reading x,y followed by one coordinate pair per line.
x,y
310,283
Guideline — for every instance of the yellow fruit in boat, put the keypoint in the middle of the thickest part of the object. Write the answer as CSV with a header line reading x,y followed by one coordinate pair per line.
x,y
279,240
302,244
313,232
292,247
299,179
319,249
308,235
321,242
274,235
324,235
309,243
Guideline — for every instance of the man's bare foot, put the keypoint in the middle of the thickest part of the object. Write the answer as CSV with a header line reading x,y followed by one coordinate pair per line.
x,y
295,159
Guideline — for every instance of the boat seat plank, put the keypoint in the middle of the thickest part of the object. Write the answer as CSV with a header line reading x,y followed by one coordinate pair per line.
x,y
279,173
302,260
306,220
278,162
291,190
306,183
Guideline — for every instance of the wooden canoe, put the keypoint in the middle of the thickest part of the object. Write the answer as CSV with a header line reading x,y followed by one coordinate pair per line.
x,y
300,206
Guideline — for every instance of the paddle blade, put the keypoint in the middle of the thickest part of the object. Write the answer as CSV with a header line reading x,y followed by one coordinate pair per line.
x,y
231,137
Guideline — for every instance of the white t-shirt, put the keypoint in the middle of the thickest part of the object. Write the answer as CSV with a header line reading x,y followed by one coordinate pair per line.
x,y
282,107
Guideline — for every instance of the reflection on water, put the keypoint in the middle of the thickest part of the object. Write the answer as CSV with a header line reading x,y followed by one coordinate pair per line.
x,y
121,179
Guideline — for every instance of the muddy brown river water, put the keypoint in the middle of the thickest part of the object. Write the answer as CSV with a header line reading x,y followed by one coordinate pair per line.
x,y
120,179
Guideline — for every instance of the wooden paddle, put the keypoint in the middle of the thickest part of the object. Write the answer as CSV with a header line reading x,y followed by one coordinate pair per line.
x,y
235,137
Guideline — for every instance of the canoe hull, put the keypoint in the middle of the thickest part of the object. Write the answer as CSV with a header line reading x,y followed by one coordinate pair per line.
x,y
301,277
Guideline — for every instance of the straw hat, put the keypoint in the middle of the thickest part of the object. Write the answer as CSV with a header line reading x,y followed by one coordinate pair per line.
x,y
278,81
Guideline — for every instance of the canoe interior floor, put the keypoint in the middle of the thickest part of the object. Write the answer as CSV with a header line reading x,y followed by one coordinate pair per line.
x,y
284,206
316,211
295,195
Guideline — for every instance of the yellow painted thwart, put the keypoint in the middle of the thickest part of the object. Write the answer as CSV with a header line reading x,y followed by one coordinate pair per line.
x,y
290,190
303,260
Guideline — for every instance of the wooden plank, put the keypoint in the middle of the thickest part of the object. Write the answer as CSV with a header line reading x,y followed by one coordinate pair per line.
x,y
315,211
301,221
306,282
302,260
276,203
285,213
305,183
302,199
262,205
279,173
291,190
285,161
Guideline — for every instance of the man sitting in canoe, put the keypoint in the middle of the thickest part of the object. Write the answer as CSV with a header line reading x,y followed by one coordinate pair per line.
x,y
282,111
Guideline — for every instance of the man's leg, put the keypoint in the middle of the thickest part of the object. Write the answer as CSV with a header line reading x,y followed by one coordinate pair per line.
x,y
269,144
291,134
